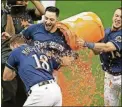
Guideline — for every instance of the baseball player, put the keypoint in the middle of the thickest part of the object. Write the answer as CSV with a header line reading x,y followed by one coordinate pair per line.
x,y
14,15
43,33
35,66
110,51
46,4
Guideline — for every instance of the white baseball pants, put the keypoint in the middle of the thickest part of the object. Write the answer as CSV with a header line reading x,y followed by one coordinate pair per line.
x,y
112,89
46,95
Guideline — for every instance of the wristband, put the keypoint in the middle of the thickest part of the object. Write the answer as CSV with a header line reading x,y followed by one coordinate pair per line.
x,y
90,45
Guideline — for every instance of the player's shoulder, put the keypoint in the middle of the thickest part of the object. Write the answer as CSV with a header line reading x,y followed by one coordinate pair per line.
x,y
107,31
18,50
119,32
15,52
35,26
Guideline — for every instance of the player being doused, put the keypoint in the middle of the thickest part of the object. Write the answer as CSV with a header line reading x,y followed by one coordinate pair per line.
x,y
35,67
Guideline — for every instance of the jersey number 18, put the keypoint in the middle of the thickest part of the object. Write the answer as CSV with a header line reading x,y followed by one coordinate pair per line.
x,y
41,62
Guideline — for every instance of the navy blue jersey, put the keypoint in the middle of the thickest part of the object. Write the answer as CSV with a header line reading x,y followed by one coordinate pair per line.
x,y
32,64
112,60
54,40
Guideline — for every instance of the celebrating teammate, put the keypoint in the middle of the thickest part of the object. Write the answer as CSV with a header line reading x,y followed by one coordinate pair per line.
x,y
110,51
35,66
43,33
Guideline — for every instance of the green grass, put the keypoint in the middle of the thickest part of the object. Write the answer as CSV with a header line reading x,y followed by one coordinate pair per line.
x,y
104,9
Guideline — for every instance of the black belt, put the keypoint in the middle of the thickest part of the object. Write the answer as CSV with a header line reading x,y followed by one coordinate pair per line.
x,y
41,84
115,73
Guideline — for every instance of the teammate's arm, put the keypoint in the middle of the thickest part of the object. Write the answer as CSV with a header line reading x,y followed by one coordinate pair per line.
x,y
39,7
104,47
10,67
112,45
8,74
101,47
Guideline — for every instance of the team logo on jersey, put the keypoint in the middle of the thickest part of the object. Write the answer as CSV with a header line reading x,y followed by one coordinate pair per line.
x,y
118,39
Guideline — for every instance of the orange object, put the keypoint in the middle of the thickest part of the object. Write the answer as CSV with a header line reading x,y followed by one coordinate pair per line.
x,y
86,25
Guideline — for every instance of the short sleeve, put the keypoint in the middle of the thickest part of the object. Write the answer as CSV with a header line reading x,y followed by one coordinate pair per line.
x,y
27,33
117,41
12,60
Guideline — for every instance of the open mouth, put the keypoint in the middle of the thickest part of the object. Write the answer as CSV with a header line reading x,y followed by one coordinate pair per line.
x,y
48,25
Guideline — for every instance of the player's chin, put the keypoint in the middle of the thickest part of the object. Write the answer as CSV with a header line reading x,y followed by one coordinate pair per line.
x,y
48,28
117,26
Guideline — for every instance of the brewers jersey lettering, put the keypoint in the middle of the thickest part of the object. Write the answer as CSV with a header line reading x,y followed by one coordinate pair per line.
x,y
31,65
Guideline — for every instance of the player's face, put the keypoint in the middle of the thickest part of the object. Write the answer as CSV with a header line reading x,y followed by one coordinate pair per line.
x,y
50,19
23,2
117,19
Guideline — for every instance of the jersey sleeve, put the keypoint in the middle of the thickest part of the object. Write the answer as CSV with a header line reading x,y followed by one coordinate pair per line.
x,y
117,41
12,60
27,33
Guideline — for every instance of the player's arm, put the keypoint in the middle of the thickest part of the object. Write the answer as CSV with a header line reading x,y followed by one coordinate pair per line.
x,y
103,47
39,7
112,45
8,74
11,64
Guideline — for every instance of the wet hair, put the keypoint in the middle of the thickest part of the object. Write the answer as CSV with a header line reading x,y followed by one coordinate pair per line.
x,y
53,9
17,38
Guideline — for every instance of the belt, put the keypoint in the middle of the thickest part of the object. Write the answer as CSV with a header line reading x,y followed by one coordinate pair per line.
x,y
115,73
40,84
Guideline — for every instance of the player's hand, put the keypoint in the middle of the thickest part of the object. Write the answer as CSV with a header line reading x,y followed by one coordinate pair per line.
x,y
80,42
5,35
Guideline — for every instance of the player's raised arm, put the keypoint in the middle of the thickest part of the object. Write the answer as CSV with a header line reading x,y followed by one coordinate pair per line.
x,y
39,7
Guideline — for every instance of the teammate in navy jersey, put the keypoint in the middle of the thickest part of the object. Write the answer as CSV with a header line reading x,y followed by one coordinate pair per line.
x,y
35,66
43,33
110,51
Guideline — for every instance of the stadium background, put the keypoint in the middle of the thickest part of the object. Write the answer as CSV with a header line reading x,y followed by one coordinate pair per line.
x,y
82,83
